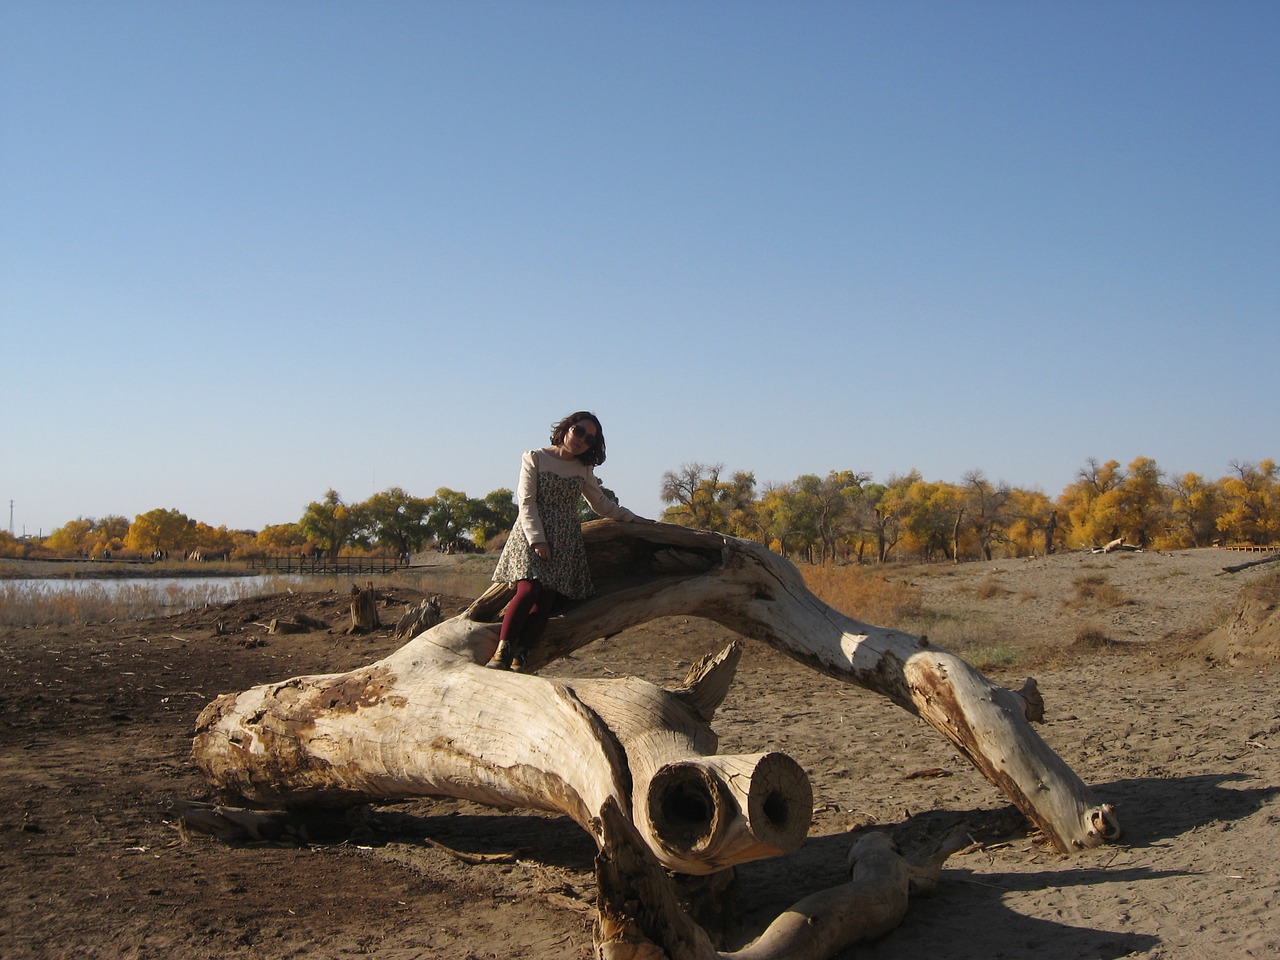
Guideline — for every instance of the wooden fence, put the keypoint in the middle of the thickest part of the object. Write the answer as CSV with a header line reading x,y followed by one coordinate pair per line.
x,y
329,565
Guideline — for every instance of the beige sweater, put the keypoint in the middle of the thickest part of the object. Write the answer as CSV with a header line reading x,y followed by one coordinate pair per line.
x,y
544,460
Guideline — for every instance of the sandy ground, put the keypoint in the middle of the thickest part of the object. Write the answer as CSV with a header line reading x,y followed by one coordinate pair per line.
x,y
95,727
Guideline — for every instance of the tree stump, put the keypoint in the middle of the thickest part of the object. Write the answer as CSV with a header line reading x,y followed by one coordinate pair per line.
x,y
364,609
417,619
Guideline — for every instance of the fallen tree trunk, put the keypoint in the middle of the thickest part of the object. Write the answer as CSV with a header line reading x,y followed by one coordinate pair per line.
x,y
1118,545
632,763
298,623
1236,568
428,721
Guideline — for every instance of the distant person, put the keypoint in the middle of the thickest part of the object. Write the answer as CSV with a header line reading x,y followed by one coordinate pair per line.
x,y
544,556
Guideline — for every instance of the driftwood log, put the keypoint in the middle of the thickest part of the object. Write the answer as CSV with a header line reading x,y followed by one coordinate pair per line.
x,y
430,720
1117,546
1237,567
298,623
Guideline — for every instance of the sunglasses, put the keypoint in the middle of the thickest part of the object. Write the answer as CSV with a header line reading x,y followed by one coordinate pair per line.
x,y
582,433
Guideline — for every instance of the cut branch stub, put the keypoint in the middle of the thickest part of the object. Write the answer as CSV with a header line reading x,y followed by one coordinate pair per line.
x,y
723,810
698,810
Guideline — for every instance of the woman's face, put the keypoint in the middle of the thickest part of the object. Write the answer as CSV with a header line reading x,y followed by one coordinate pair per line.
x,y
580,438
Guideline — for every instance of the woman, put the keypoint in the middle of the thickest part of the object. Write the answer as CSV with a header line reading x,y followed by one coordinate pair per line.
x,y
544,556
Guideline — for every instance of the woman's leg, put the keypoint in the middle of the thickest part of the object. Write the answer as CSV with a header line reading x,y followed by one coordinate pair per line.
x,y
521,610
535,624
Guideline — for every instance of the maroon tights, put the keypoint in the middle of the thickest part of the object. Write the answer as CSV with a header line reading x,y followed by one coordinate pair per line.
x,y
527,613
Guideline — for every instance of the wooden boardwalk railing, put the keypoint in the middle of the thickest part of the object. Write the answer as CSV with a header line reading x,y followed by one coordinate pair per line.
x,y
320,565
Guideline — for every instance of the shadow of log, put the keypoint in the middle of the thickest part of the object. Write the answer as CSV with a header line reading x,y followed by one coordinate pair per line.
x,y
970,911
1178,805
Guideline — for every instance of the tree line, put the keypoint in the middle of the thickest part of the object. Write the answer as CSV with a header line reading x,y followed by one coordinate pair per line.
x,y
391,522
847,515
842,516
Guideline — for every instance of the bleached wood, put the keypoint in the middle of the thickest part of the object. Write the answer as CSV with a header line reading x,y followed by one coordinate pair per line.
x,y
429,721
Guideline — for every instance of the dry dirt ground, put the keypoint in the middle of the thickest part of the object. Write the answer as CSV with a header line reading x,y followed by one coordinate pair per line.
x,y
95,728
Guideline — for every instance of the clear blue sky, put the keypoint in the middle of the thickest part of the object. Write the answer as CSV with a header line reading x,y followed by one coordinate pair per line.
x,y
251,251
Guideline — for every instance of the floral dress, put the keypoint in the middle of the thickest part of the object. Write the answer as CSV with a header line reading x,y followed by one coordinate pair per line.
x,y
549,495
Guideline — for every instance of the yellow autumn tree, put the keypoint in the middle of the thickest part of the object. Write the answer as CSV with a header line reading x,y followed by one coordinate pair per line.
x,y
888,506
1141,503
1251,504
72,537
1032,528
1193,513
88,536
700,499
280,536
9,545
931,526
328,523
1089,504
165,530
211,540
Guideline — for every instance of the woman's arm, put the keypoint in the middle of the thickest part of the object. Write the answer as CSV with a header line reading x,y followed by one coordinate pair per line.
x,y
600,502
529,521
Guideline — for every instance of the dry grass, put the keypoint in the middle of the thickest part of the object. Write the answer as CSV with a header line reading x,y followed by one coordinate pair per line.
x,y
990,589
29,603
1094,588
1092,639
1267,590
869,597
35,603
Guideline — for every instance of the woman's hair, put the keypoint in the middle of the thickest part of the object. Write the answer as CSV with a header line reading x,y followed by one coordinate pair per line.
x,y
594,455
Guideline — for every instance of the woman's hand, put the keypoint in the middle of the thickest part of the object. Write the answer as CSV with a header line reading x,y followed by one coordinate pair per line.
x,y
542,551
